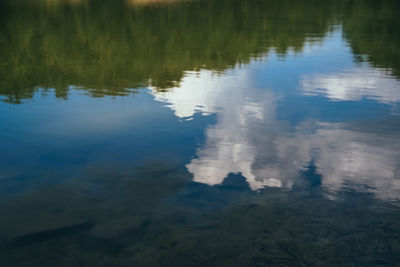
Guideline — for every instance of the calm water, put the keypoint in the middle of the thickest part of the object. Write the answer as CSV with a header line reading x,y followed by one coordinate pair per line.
x,y
199,133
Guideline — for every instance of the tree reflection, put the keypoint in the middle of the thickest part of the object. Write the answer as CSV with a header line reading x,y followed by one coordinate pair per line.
x,y
105,47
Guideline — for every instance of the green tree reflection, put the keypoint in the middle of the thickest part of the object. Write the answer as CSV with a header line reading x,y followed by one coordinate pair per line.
x,y
107,47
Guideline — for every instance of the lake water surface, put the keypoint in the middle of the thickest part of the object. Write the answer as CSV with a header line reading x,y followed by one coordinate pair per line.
x,y
199,133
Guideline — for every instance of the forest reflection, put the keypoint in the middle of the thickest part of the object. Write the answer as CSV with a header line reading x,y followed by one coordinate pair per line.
x,y
108,49
152,2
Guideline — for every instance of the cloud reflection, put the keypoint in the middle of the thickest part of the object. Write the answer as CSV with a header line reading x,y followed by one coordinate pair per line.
x,y
353,84
248,139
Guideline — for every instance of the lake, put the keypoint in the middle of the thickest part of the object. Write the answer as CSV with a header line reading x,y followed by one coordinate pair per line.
x,y
199,133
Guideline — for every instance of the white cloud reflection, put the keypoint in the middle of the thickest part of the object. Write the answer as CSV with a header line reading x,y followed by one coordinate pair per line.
x,y
353,84
248,139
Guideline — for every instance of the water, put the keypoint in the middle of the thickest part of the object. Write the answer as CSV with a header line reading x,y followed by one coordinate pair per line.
x,y
199,133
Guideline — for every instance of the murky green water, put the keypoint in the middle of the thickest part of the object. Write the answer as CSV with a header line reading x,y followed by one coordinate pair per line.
x,y
199,133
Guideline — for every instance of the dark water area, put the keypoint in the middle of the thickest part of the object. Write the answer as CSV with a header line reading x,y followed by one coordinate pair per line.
x,y
199,133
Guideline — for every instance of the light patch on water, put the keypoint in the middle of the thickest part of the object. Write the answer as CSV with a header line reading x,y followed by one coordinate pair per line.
x,y
353,85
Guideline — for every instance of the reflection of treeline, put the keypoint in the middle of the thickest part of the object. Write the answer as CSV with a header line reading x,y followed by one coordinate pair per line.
x,y
106,46
373,30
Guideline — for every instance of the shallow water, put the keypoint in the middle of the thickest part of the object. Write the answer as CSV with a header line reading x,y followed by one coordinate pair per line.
x,y
199,133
